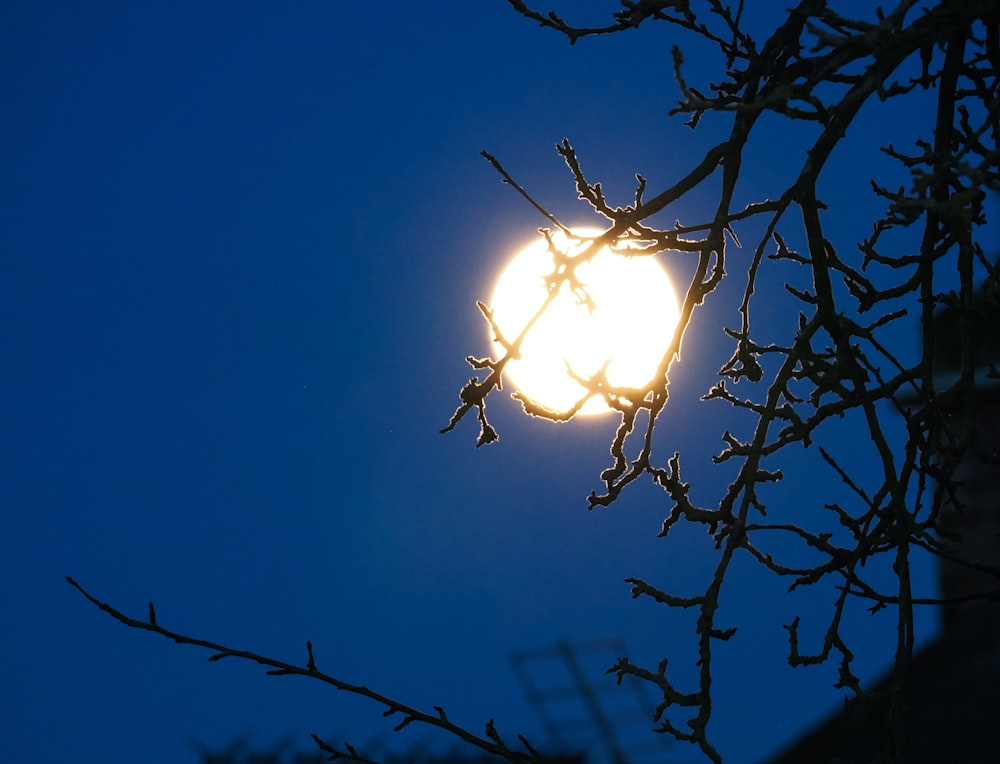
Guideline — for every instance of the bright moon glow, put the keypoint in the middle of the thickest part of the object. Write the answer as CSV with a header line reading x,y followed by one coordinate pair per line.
x,y
630,327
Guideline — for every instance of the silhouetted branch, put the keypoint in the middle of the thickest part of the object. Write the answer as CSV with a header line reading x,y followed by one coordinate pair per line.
x,y
821,68
491,743
827,362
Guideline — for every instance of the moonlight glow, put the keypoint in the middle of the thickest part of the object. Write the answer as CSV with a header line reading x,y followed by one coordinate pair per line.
x,y
631,325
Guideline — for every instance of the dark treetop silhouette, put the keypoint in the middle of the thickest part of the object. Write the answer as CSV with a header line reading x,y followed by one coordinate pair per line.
x,y
822,356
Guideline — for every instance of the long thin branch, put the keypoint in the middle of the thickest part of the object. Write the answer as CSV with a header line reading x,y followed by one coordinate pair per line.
x,y
491,744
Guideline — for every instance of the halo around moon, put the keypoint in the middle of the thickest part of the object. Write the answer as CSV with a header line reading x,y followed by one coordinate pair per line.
x,y
627,325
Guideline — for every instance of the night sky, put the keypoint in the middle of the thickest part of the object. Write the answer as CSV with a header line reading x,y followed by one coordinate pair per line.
x,y
240,248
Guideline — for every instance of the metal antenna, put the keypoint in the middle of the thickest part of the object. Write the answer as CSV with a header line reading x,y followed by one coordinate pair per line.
x,y
576,701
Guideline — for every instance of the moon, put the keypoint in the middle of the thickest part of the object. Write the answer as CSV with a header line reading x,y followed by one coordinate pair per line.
x,y
628,325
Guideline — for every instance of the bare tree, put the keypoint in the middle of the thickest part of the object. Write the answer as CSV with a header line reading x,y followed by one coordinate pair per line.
x,y
818,69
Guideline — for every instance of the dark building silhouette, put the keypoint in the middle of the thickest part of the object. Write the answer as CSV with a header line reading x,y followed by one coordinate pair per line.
x,y
951,702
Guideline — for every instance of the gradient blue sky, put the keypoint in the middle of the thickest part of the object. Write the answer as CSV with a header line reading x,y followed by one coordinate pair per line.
x,y
241,245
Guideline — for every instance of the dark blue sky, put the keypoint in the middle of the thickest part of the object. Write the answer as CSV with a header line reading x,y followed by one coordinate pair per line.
x,y
239,252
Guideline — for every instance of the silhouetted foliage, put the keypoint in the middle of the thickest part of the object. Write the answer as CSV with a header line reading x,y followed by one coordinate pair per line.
x,y
239,752
829,361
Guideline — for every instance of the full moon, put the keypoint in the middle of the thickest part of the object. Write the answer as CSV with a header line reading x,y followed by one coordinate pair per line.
x,y
628,324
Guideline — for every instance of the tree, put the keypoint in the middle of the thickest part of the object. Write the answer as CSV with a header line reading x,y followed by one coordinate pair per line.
x,y
829,361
